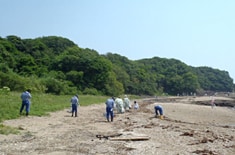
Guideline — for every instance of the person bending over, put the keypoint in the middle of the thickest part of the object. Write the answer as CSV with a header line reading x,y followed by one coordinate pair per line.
x,y
158,111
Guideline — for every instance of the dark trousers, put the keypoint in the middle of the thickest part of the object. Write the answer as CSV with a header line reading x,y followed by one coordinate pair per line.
x,y
74,109
25,104
109,112
158,110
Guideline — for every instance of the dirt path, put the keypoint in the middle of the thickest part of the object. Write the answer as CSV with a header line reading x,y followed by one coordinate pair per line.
x,y
186,129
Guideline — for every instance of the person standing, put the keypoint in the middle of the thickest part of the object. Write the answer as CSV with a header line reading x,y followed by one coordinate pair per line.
x,y
109,108
212,102
126,103
158,111
74,102
25,97
119,105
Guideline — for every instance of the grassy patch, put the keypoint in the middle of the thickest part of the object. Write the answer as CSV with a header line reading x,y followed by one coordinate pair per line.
x,y
41,104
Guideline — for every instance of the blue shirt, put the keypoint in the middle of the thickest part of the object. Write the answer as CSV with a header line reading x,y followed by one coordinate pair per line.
x,y
25,96
74,100
109,103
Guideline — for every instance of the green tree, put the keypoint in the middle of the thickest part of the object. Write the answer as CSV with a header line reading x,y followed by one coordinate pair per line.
x,y
7,52
56,65
26,65
190,83
75,77
112,86
17,42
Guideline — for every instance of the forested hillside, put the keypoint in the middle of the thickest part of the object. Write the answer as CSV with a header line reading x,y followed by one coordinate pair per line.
x,y
57,65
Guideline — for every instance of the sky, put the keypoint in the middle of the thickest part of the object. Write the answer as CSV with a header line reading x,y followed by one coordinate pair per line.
x,y
196,32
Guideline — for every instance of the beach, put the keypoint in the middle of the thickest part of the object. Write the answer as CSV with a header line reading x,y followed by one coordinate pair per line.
x,y
189,126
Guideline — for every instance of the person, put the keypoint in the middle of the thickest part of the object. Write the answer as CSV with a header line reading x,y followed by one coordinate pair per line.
x,y
136,105
115,107
119,105
74,102
109,108
212,102
126,103
25,97
158,111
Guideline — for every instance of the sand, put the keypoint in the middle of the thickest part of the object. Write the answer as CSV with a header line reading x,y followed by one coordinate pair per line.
x,y
187,129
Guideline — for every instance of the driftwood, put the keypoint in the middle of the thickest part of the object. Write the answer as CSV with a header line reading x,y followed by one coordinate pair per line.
x,y
107,136
116,137
130,138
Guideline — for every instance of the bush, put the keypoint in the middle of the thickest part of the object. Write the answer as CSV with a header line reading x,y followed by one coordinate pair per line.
x,y
5,90
91,91
58,87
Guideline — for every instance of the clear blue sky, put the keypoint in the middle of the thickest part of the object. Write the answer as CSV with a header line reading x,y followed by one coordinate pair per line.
x,y
196,32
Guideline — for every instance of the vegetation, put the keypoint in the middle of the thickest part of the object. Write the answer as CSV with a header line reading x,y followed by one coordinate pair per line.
x,y
6,130
54,68
42,104
58,66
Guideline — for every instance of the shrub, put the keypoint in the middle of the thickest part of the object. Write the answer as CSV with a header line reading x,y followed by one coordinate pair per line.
x,y
91,91
5,90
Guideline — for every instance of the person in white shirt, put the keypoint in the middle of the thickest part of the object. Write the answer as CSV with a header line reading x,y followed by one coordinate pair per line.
x,y
136,105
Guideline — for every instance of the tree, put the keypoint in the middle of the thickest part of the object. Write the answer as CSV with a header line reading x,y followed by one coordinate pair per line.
x,y
75,77
17,42
57,61
190,82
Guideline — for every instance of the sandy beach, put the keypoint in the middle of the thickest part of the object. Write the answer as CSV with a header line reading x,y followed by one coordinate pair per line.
x,y
190,127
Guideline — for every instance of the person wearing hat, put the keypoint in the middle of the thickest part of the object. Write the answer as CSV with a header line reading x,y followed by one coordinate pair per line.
x,y
126,103
74,102
119,105
25,97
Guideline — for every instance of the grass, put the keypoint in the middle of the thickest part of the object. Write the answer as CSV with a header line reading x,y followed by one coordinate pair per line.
x,y
41,104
